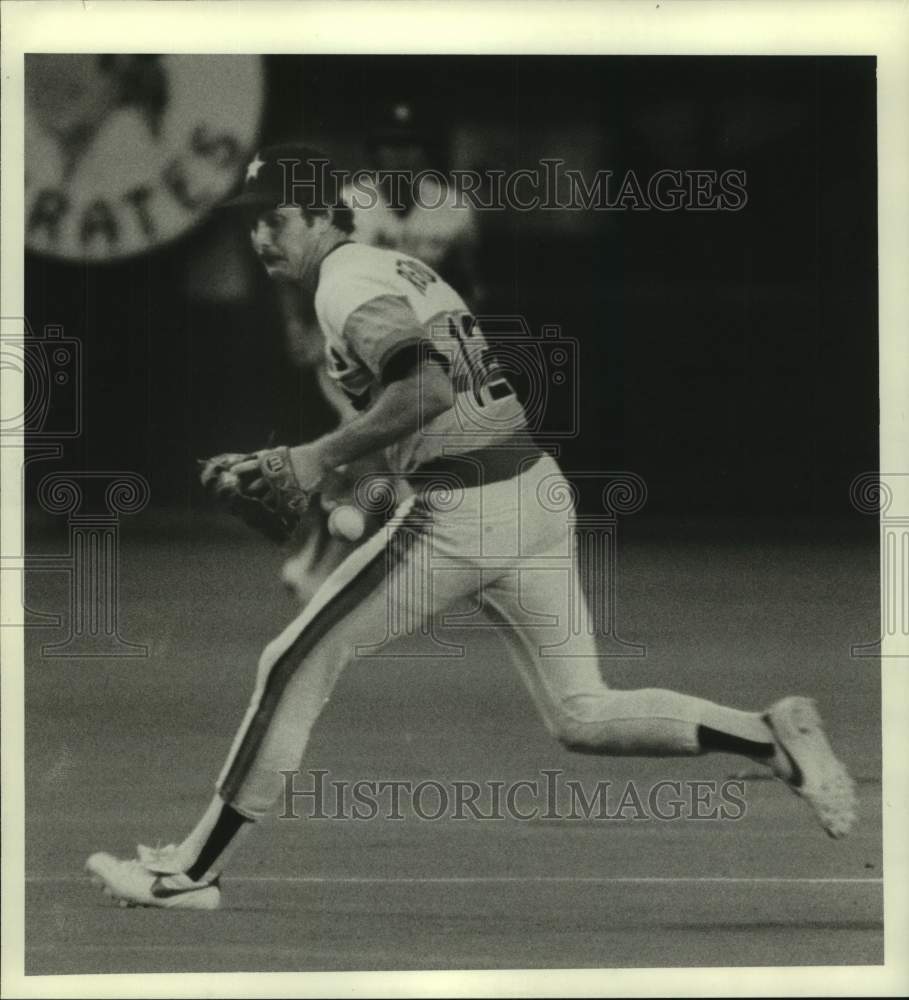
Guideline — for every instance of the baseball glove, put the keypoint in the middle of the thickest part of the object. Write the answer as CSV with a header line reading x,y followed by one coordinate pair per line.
x,y
279,483
235,481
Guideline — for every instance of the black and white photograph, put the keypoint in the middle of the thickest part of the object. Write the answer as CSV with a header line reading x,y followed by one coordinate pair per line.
x,y
455,519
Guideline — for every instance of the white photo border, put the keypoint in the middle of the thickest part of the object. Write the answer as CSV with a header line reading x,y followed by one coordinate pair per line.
x,y
742,27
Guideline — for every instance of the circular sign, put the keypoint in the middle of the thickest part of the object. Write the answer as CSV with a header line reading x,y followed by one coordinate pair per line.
x,y
125,152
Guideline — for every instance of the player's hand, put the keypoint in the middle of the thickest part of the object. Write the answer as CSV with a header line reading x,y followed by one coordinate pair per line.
x,y
218,475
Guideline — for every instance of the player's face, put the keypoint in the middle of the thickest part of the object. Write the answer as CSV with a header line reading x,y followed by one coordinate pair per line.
x,y
284,241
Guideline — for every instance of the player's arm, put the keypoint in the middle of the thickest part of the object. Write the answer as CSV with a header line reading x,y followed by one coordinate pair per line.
x,y
386,336
415,391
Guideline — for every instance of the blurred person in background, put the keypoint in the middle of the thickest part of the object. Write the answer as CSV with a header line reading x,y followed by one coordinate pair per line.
x,y
414,204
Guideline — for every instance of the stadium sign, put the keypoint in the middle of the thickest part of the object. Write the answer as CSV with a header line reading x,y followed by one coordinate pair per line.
x,y
126,152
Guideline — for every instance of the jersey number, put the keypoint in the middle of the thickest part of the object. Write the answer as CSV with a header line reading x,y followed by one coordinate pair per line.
x,y
486,378
416,273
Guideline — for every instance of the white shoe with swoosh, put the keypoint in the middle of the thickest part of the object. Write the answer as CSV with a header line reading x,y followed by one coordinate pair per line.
x,y
805,761
132,884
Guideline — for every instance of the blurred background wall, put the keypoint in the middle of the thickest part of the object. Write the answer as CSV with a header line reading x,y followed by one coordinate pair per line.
x,y
730,358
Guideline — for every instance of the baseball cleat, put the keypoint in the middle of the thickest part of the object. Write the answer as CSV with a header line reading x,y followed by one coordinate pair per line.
x,y
132,884
805,761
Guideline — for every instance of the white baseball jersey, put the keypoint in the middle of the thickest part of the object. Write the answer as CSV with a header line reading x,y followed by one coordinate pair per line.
x,y
373,303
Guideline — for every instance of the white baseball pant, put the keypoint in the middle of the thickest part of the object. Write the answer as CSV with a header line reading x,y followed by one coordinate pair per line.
x,y
429,557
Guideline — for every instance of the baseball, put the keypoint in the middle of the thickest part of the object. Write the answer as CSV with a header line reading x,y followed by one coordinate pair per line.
x,y
347,522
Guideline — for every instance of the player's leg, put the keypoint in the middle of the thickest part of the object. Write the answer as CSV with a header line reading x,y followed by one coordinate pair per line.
x,y
584,714
587,716
381,580
573,699
360,611
283,708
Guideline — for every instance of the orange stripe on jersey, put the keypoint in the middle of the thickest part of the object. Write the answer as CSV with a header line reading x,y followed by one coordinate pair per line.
x,y
378,328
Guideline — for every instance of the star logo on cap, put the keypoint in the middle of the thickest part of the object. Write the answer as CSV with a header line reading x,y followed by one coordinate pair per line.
x,y
255,165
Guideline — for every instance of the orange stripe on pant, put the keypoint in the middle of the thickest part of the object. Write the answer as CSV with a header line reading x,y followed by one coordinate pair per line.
x,y
367,579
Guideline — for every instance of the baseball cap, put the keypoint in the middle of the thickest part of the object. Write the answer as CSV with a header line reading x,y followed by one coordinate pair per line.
x,y
288,174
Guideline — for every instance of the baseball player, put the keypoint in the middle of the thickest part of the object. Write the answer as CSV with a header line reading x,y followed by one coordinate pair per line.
x,y
402,346
424,217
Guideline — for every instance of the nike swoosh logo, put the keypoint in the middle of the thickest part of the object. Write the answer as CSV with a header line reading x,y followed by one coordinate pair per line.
x,y
798,776
161,891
